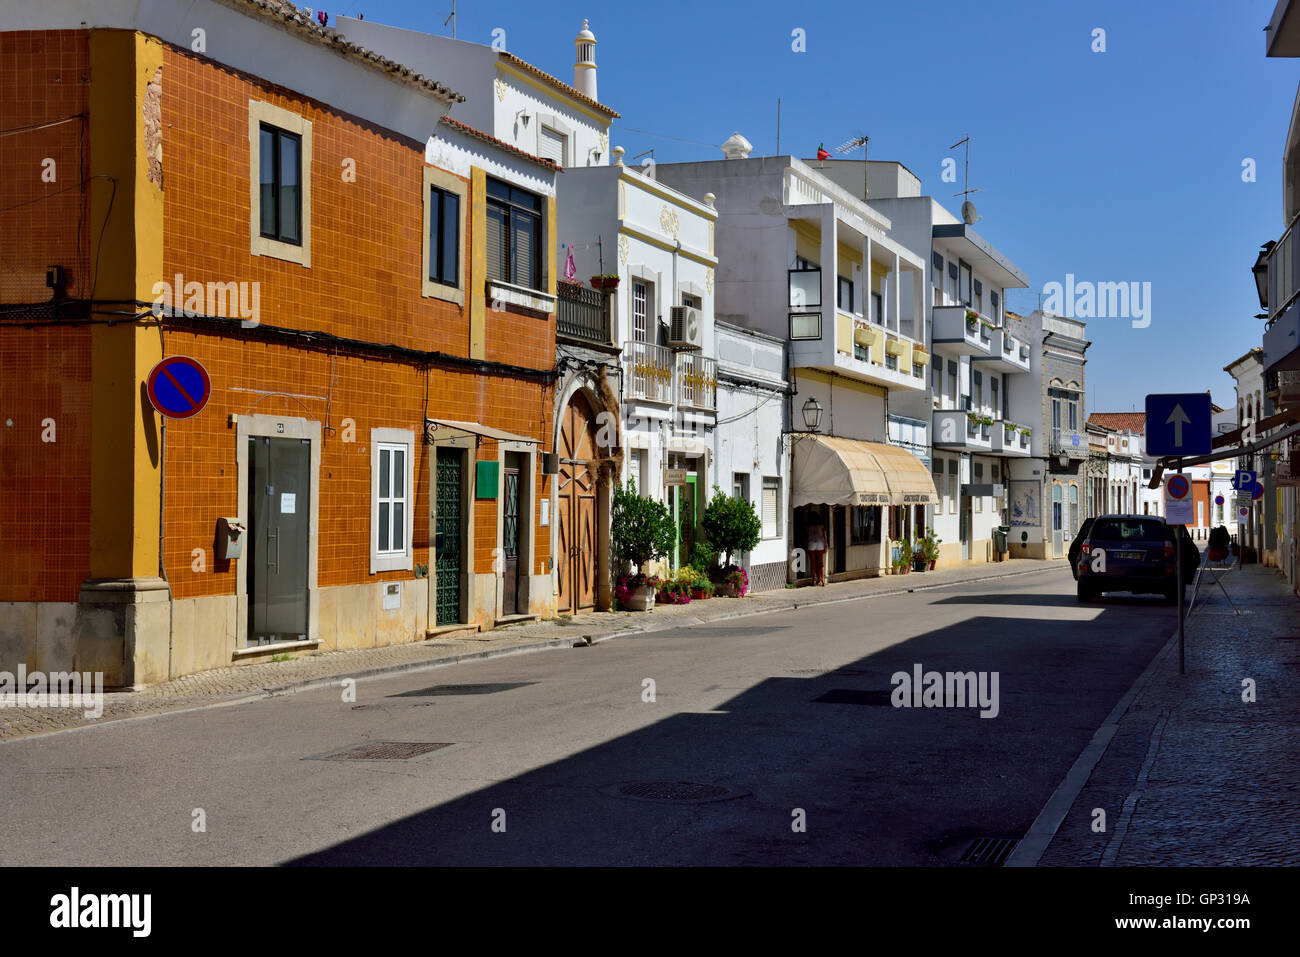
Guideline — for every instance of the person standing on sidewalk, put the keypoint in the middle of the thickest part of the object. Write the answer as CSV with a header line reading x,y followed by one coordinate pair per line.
x,y
817,550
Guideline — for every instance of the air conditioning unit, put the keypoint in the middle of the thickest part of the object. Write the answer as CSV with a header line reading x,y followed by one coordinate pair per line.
x,y
686,330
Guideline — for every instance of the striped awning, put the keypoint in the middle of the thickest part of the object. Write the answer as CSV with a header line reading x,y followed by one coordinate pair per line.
x,y
835,471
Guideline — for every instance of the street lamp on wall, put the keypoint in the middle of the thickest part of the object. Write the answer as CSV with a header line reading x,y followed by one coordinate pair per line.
x,y
1260,269
812,414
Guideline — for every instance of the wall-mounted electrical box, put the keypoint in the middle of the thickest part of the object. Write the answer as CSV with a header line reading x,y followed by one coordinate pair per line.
x,y
486,479
230,538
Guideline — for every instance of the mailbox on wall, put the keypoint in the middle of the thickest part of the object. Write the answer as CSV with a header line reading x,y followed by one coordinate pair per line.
x,y
230,538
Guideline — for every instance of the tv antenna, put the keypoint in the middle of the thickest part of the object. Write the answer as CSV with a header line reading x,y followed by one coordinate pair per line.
x,y
848,146
967,207
451,18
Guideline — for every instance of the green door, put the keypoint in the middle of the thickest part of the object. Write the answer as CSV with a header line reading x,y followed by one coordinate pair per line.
x,y
447,541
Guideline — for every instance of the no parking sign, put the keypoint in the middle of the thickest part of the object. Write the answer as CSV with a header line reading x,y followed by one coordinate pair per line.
x,y
1178,500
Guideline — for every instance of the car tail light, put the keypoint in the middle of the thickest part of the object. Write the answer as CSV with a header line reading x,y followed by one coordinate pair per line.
x,y
1169,549
1087,549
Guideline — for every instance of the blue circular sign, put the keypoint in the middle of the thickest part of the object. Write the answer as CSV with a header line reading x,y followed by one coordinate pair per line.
x,y
1178,486
1218,500
1257,492
179,387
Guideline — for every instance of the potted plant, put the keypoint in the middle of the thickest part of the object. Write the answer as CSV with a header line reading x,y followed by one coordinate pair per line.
x,y
929,547
1024,437
903,559
673,591
701,587
608,281
971,319
734,582
642,530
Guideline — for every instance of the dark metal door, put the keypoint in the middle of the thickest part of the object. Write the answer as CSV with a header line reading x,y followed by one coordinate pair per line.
x,y
279,499
510,541
448,535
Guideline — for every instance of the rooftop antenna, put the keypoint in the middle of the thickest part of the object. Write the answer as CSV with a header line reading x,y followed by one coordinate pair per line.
x,y
849,145
967,207
451,18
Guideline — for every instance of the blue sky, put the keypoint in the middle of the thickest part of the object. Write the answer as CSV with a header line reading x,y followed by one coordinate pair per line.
x,y
1117,166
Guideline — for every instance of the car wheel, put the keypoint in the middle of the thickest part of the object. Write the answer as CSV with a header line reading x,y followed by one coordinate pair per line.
x,y
1086,593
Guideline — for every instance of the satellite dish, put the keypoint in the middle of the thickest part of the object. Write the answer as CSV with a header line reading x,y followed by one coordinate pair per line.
x,y
968,213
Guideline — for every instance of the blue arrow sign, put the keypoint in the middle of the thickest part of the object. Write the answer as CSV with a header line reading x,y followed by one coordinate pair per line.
x,y
1178,424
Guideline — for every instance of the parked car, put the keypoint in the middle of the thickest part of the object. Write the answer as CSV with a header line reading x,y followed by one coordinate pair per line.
x,y
1077,545
1140,557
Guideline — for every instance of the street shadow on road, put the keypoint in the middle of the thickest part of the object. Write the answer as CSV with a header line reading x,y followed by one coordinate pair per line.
x,y
869,783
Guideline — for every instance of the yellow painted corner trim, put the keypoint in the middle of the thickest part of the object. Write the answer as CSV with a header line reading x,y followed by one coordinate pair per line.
x,y
478,264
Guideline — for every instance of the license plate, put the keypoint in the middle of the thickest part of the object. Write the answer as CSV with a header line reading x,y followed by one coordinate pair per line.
x,y
1129,555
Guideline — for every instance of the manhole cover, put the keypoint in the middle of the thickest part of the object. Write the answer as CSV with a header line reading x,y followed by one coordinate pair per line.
x,y
491,688
857,696
382,751
988,851
673,792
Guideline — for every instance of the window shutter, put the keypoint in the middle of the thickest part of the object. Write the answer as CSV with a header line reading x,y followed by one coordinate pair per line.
x,y
770,503
522,227
496,244
550,145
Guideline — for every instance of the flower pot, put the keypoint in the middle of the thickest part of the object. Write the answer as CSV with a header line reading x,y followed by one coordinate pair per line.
x,y
931,563
699,594
918,564
726,590
642,598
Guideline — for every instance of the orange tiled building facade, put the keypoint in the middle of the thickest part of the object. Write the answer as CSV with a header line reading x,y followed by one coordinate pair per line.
x,y
378,334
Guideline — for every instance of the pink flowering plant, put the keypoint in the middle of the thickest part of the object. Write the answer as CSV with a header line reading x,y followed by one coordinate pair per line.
x,y
626,584
738,578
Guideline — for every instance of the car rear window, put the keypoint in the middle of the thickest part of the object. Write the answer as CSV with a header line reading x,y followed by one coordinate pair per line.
x,y
1128,529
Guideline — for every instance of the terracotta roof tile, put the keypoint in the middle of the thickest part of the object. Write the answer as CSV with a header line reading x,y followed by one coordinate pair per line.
x,y
1123,421
295,19
489,138
558,84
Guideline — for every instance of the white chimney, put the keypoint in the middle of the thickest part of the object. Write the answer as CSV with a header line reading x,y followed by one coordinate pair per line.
x,y
737,147
584,68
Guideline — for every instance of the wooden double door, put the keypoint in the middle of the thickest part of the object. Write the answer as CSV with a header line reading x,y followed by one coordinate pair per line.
x,y
576,507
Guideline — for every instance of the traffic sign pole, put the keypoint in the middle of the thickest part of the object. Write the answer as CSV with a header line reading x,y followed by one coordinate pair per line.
x,y
1178,587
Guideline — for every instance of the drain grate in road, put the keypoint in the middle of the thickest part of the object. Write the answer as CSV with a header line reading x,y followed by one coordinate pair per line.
x,y
382,751
673,792
487,688
988,851
857,696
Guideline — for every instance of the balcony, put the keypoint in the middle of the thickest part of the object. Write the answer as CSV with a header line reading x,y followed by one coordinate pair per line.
x,y
1010,439
582,314
650,372
697,382
955,429
964,332
1288,390
1071,443
1009,355
873,353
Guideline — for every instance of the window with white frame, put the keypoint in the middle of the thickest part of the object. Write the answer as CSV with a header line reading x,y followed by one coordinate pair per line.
x,y
771,507
954,491
940,486
643,298
553,145
740,486
979,480
391,513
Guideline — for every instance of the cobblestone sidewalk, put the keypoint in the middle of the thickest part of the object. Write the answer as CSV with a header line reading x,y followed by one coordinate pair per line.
x,y
1194,774
225,685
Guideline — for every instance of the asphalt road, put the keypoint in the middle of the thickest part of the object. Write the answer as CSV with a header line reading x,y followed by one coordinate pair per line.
x,y
540,745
